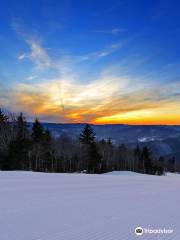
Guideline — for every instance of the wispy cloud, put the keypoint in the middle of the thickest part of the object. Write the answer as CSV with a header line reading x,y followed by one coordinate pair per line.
x,y
115,96
31,77
23,56
42,60
109,50
37,55
113,31
104,52
104,100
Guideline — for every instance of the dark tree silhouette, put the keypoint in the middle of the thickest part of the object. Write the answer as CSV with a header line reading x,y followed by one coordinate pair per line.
x,y
147,160
92,155
137,158
88,135
3,118
36,149
37,131
19,146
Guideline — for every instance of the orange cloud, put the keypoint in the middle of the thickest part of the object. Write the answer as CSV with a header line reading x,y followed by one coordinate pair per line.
x,y
106,100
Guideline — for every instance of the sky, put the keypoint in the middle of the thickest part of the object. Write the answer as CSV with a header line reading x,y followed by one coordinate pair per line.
x,y
102,62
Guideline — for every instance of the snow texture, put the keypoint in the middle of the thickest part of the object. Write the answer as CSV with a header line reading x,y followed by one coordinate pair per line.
x,y
47,206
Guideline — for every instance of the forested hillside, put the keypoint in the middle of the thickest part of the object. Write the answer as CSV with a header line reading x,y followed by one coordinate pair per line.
x,y
36,149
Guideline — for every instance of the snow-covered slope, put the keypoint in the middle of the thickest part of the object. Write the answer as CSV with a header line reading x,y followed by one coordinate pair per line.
x,y
42,206
126,173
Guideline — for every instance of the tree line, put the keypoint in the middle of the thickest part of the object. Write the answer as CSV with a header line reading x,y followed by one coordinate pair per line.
x,y
35,149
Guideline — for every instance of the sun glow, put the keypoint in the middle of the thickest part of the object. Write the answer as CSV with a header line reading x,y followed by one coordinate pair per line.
x,y
129,116
104,101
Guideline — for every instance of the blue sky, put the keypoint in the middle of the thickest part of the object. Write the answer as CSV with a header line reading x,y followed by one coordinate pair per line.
x,y
97,61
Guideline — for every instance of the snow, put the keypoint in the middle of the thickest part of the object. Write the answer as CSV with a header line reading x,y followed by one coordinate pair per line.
x,y
49,206
123,173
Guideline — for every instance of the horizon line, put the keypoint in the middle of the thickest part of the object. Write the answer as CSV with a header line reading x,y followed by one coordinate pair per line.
x,y
102,124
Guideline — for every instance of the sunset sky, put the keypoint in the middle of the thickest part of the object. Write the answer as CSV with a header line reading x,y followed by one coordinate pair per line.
x,y
115,61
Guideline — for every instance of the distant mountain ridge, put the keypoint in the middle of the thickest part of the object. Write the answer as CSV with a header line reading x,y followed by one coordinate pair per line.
x,y
162,139
118,132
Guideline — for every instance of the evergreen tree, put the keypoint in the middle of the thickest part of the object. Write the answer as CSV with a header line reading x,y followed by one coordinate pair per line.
x,y
94,159
148,165
5,136
88,135
38,146
172,164
47,150
109,142
137,151
22,130
137,156
47,137
37,131
109,155
92,156
4,127
3,118
121,163
19,146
